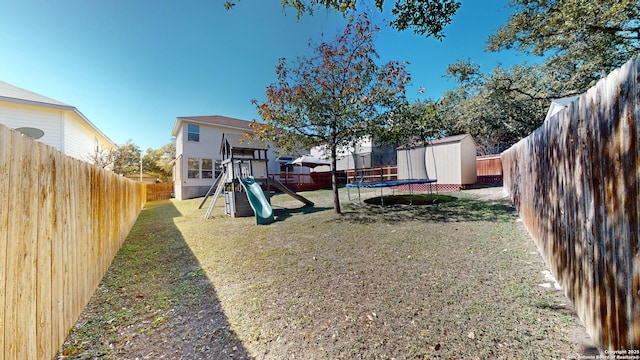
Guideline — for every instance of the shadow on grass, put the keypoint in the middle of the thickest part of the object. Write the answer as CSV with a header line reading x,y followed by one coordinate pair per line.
x,y
282,214
155,301
460,209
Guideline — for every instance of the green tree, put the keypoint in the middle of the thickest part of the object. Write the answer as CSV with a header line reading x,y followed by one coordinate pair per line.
x,y
498,108
417,121
159,162
579,42
127,159
582,41
424,17
332,98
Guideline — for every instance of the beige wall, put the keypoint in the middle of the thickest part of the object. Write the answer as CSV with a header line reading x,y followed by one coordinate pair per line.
x,y
411,164
469,172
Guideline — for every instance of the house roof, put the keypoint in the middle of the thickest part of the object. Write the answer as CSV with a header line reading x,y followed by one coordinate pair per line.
x,y
216,120
15,94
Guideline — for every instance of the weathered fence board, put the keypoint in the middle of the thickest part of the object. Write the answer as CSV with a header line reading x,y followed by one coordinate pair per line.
x,y
160,191
61,223
487,165
4,235
575,182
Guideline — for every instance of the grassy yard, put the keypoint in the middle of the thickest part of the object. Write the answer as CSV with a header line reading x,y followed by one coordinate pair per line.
x,y
457,279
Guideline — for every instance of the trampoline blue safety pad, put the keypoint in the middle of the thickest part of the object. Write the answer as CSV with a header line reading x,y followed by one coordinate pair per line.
x,y
389,183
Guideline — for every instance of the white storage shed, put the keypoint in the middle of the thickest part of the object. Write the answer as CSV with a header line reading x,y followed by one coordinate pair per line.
x,y
450,160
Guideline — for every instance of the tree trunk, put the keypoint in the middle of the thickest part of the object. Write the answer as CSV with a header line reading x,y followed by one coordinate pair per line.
x,y
334,180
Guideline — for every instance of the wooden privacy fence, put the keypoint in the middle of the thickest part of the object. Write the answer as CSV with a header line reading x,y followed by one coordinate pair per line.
x,y
489,168
575,184
61,223
160,191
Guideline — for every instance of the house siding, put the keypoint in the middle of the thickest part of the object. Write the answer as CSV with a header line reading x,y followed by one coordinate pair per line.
x,y
78,143
49,120
63,129
80,138
208,147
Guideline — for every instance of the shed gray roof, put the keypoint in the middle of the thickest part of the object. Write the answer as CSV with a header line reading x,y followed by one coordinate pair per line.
x,y
445,140
450,139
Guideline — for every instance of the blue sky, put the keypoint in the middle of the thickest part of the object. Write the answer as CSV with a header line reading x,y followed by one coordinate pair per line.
x,y
133,66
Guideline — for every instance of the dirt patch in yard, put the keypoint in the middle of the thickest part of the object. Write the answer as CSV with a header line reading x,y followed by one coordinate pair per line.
x,y
451,280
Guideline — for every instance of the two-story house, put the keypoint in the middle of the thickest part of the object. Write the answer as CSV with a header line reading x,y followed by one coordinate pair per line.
x,y
198,157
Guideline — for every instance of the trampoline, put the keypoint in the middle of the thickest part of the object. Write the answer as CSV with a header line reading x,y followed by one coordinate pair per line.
x,y
380,184
389,183
378,181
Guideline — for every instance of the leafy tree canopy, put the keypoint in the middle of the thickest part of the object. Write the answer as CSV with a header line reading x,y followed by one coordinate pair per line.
x,y
334,98
424,17
417,121
497,108
579,42
582,40
159,162
127,159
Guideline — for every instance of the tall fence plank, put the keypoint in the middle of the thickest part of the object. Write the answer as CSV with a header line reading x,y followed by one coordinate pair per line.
x,y
635,246
61,223
5,183
44,236
575,182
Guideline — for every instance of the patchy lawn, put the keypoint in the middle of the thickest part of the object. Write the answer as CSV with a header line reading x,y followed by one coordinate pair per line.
x,y
456,279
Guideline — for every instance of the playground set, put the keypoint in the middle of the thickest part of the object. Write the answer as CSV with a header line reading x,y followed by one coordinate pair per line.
x,y
245,182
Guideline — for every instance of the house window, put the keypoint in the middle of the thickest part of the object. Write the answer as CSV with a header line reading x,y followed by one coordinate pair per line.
x,y
193,133
207,168
201,168
193,168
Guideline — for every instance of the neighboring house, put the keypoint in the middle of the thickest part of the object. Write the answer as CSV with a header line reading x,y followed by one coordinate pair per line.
x,y
198,159
52,122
